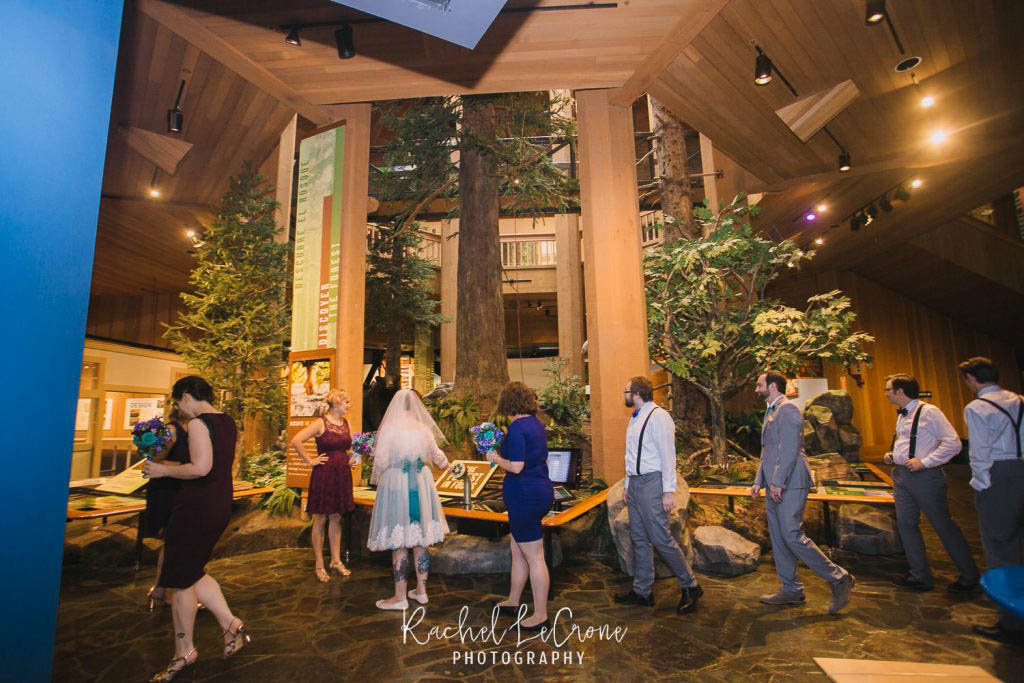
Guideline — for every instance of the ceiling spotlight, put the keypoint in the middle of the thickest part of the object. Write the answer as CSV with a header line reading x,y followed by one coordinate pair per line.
x,y
175,119
762,69
844,162
927,101
874,12
810,216
867,218
822,208
190,234
819,241
856,222
293,37
938,137
916,183
343,39
153,192
885,204
872,211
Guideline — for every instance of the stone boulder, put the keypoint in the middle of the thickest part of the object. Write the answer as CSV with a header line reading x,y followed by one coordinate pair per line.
x,y
106,545
465,554
868,529
828,426
618,520
821,431
718,550
838,403
255,530
830,466
440,391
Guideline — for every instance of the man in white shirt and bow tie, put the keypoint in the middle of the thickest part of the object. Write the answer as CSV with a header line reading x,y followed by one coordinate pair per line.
x,y
649,490
995,429
784,473
924,441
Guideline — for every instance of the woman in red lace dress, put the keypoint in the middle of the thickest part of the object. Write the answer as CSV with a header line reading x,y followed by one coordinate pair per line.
x,y
330,484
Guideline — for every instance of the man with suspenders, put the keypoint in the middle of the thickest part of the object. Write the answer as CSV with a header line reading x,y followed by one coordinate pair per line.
x,y
995,429
924,441
648,490
786,478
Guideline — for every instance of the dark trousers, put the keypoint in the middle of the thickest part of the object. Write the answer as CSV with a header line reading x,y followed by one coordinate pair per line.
x,y
1001,518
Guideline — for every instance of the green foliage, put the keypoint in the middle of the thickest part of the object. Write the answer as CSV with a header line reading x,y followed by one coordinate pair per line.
x,y
398,281
454,416
262,469
710,322
281,502
237,319
564,399
745,429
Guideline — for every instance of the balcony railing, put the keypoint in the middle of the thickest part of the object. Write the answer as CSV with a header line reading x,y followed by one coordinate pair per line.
x,y
528,251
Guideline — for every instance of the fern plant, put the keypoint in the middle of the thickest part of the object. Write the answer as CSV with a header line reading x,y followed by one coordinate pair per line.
x,y
281,502
454,416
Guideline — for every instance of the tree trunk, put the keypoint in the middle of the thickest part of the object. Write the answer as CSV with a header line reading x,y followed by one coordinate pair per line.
x,y
481,365
689,405
393,336
718,444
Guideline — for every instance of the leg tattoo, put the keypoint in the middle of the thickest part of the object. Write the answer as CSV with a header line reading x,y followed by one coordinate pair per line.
x,y
401,569
423,563
181,636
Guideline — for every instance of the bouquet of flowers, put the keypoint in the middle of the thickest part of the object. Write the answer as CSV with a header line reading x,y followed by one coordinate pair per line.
x,y
486,437
363,443
150,437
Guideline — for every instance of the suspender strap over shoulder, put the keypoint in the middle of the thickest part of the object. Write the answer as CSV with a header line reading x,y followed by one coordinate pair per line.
x,y
1015,422
913,434
640,445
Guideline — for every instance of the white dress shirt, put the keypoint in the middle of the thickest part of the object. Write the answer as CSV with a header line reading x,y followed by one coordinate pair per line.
x,y
659,453
990,433
937,441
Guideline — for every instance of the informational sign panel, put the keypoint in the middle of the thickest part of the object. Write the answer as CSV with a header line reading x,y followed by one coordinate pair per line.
x,y
142,409
311,374
127,482
318,240
480,471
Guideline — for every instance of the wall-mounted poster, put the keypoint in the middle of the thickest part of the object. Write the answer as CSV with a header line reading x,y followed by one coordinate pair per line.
x,y
141,409
308,384
83,414
108,415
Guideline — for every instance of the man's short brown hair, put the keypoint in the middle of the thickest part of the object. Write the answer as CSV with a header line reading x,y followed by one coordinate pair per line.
x,y
642,387
517,399
981,369
777,378
908,383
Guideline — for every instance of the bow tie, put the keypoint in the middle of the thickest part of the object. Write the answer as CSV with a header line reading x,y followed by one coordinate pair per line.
x,y
636,412
902,412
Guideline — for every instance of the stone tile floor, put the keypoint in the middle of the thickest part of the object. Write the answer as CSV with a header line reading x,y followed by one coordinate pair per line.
x,y
306,631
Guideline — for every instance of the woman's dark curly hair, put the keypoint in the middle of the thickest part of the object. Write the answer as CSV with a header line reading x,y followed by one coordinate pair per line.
x,y
517,399
195,386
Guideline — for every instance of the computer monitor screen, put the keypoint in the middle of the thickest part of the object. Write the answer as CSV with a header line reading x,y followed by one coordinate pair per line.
x,y
564,466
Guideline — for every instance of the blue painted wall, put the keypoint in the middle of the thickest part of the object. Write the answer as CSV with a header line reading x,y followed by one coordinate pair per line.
x,y
58,59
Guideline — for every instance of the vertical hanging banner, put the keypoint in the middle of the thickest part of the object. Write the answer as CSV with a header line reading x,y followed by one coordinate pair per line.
x,y
312,363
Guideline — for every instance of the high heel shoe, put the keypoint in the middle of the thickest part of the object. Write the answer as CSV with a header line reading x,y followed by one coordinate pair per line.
x,y
322,576
240,633
154,598
174,668
341,568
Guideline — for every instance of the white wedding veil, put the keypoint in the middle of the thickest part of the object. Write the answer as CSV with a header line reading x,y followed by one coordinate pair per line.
x,y
407,432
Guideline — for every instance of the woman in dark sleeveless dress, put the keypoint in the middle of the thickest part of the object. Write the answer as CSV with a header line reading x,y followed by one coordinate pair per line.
x,y
330,483
201,512
160,495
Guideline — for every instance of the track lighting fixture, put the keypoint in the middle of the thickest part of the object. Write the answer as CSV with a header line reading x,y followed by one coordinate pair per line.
x,y
886,204
874,12
343,39
762,69
901,194
175,119
293,37
844,161
872,211
856,223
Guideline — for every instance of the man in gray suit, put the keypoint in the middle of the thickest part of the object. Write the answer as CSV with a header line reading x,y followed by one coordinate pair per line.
x,y
784,472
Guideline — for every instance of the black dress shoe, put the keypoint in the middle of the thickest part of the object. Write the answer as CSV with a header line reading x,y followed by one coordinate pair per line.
x,y
688,599
505,610
536,627
911,584
998,633
963,587
632,598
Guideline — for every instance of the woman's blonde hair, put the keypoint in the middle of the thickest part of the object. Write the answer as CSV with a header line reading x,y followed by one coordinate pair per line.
x,y
335,396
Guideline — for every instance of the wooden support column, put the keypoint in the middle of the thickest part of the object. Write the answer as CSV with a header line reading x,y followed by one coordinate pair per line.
x,y
449,296
569,282
423,355
720,191
285,175
613,272
352,291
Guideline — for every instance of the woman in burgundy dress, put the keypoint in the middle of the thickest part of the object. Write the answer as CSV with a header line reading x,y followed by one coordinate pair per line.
x,y
160,495
330,483
201,512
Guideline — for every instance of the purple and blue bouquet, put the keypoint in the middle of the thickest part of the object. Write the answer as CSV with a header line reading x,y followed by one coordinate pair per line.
x,y
363,443
487,437
151,436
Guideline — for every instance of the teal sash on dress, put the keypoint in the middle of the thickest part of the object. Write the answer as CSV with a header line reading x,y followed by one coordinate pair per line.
x,y
414,493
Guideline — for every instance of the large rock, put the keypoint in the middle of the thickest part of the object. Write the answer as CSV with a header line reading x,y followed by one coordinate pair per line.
x,y
868,529
823,436
849,443
106,545
830,466
718,550
618,520
838,403
256,530
465,554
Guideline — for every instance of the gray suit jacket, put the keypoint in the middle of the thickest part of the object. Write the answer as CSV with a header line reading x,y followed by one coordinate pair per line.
x,y
782,456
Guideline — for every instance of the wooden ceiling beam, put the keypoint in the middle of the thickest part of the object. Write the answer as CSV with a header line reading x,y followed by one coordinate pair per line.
x,y
192,31
689,26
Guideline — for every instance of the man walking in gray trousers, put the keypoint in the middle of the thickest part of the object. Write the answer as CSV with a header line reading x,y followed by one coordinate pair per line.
x,y
784,471
648,489
923,442
995,427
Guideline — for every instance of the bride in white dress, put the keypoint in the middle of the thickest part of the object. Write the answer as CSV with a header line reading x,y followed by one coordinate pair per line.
x,y
407,512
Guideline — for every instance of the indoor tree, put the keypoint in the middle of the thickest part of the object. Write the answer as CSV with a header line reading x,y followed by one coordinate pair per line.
x,y
711,323
236,320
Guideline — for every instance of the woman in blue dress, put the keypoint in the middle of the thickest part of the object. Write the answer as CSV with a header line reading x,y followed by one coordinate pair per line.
x,y
528,496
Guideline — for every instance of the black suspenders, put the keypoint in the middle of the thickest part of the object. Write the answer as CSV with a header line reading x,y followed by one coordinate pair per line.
x,y
1016,423
913,433
640,446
